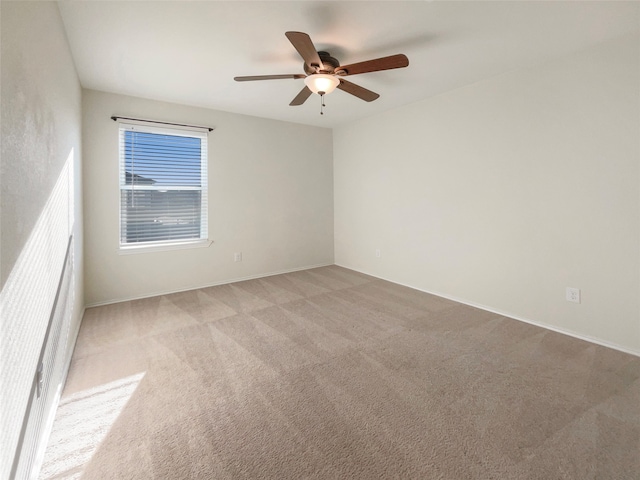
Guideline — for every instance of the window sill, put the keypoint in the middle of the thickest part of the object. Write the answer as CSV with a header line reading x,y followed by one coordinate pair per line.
x,y
164,247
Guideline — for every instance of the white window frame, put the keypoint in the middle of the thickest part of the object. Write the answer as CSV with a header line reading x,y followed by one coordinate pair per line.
x,y
163,245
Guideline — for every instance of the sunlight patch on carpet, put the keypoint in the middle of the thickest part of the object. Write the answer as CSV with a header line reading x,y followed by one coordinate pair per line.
x,y
82,422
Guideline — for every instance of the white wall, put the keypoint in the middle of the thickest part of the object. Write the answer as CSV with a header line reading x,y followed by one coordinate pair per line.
x,y
503,193
40,199
270,197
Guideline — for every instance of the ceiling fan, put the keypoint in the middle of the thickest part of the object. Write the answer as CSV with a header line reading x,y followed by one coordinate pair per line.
x,y
323,73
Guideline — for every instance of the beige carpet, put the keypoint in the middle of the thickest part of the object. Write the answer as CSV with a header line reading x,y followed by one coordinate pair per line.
x,y
331,374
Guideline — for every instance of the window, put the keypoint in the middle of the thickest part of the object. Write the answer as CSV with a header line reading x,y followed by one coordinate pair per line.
x,y
163,187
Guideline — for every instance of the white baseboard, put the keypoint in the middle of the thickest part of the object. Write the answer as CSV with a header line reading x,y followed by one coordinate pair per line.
x,y
214,284
570,333
51,414
463,301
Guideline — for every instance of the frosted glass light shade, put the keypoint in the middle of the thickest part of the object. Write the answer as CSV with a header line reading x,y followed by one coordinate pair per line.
x,y
321,82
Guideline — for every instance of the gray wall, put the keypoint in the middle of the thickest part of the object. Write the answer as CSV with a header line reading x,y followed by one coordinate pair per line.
x,y
40,197
270,197
503,193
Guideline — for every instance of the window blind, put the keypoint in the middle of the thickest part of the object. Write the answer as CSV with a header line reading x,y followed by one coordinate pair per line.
x,y
163,185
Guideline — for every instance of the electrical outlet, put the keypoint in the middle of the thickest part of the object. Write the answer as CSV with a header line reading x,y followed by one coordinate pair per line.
x,y
377,253
573,295
237,257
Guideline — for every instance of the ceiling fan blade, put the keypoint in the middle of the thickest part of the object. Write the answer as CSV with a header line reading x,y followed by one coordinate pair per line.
x,y
357,90
303,44
301,97
384,63
268,77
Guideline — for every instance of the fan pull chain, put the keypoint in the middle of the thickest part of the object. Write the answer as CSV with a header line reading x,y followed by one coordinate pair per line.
x,y
322,105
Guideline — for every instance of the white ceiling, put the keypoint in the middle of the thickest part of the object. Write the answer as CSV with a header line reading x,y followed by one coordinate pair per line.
x,y
188,52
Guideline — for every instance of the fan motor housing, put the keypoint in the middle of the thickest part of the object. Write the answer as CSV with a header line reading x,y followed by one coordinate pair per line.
x,y
328,62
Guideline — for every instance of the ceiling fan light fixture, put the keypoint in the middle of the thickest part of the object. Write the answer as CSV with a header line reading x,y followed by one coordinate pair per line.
x,y
321,82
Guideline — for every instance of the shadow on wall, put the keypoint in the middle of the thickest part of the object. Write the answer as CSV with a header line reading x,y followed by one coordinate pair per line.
x,y
26,303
